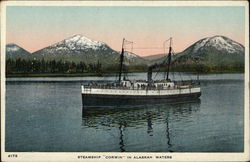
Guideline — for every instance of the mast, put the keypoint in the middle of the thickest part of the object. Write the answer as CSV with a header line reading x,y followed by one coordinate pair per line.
x,y
121,61
169,58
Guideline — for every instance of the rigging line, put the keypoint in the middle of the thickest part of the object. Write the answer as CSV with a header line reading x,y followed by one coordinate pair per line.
x,y
173,52
127,41
164,74
180,76
155,75
189,75
173,66
166,40
125,76
173,75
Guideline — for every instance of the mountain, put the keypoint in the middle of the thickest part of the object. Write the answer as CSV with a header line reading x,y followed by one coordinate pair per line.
x,y
14,51
221,44
154,57
79,48
214,51
217,52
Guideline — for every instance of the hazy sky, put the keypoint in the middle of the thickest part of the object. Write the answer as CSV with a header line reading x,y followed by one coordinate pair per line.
x,y
35,27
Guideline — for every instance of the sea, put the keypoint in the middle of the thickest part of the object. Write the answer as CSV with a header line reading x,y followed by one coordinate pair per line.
x,y
46,115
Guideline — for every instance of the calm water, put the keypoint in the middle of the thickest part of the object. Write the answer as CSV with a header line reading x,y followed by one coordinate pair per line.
x,y
45,114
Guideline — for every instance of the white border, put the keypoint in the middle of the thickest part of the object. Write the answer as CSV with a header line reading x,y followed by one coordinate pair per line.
x,y
62,156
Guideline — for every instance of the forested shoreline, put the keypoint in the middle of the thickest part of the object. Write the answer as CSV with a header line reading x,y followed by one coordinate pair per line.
x,y
53,68
22,67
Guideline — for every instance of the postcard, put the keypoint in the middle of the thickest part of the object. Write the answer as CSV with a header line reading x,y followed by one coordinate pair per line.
x,y
124,81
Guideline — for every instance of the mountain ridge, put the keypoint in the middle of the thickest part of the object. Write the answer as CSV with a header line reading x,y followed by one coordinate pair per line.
x,y
210,51
80,48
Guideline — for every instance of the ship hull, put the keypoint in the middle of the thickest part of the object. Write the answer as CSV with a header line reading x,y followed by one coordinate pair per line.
x,y
104,100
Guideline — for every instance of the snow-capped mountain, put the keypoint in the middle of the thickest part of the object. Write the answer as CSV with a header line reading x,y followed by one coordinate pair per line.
x,y
220,43
215,44
14,51
80,48
212,51
76,44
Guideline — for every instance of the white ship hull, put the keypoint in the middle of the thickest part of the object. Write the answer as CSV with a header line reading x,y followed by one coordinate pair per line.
x,y
92,97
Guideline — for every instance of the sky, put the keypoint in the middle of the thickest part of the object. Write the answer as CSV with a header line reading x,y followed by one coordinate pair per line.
x,y
36,27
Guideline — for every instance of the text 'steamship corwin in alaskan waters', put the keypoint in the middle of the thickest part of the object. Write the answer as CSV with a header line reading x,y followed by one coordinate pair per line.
x,y
126,92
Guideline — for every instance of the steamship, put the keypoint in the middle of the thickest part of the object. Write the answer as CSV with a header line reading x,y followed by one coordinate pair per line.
x,y
125,92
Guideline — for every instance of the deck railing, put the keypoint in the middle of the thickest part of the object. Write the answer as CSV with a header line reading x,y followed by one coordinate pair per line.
x,y
176,86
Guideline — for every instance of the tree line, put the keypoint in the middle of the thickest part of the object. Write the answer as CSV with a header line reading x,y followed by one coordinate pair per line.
x,y
70,67
51,66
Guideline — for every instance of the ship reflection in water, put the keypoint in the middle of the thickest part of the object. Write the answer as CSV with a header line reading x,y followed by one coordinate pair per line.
x,y
149,116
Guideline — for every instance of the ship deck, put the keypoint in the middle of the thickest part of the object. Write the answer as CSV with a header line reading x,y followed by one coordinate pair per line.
x,y
112,90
